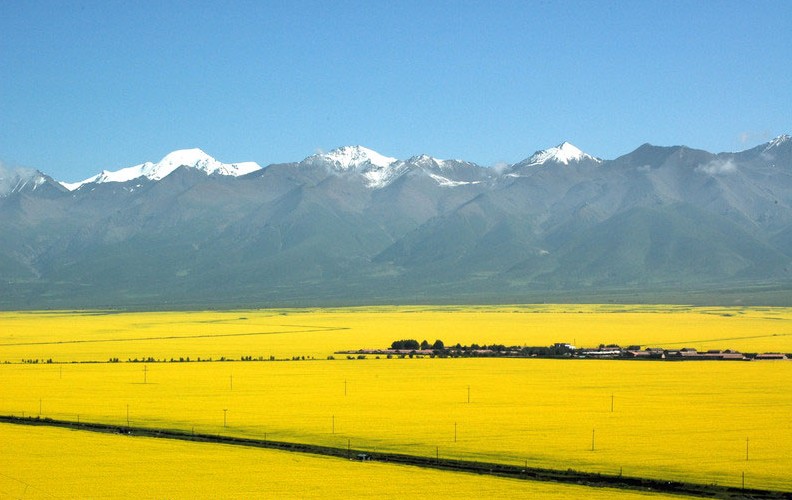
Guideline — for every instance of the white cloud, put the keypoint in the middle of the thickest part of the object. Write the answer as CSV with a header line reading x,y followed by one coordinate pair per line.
x,y
500,167
718,167
7,170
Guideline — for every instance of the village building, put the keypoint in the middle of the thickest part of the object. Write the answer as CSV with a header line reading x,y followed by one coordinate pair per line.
x,y
771,356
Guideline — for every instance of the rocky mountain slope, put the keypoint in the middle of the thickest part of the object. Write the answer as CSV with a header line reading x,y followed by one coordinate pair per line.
x,y
353,226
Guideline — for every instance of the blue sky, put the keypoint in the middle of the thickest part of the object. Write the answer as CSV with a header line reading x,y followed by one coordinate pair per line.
x,y
86,86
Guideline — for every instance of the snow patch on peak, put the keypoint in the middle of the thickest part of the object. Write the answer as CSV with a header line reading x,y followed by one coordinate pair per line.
x,y
14,180
71,186
778,141
352,158
192,158
564,153
380,177
426,161
445,182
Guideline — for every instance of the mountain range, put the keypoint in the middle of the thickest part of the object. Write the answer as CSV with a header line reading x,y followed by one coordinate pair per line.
x,y
352,226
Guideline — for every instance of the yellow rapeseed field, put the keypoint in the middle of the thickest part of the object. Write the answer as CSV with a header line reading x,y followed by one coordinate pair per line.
x,y
98,336
88,465
706,422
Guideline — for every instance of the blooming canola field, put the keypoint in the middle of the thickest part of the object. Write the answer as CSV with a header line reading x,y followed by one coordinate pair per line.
x,y
704,422
92,465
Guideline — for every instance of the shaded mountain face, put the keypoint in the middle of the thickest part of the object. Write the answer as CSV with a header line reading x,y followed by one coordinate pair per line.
x,y
353,227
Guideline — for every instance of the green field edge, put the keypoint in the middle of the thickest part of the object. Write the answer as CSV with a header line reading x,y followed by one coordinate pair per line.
x,y
569,476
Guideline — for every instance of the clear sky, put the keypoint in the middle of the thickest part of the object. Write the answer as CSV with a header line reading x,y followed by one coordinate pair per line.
x,y
91,85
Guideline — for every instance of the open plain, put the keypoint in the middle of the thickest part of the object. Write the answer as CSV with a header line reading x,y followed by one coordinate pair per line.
x,y
701,422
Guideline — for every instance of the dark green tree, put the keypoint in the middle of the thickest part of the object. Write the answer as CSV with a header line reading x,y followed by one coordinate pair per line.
x,y
405,344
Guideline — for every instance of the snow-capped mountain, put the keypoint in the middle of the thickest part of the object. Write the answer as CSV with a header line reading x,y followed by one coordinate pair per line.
x,y
565,153
193,158
379,171
346,158
356,226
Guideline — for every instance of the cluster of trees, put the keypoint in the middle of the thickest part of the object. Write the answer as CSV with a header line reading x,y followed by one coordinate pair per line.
x,y
151,359
251,358
413,345
459,350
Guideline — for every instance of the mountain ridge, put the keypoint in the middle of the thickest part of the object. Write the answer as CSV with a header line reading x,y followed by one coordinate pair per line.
x,y
362,160
193,158
377,168
659,223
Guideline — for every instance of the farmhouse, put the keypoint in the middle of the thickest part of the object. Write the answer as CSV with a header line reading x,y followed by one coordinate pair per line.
x,y
602,352
728,354
771,356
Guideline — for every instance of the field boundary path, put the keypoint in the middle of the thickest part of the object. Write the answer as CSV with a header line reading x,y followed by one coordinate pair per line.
x,y
569,476
305,329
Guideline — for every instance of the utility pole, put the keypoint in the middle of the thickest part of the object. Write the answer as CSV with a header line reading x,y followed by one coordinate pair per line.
x,y
592,439
225,410
345,388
